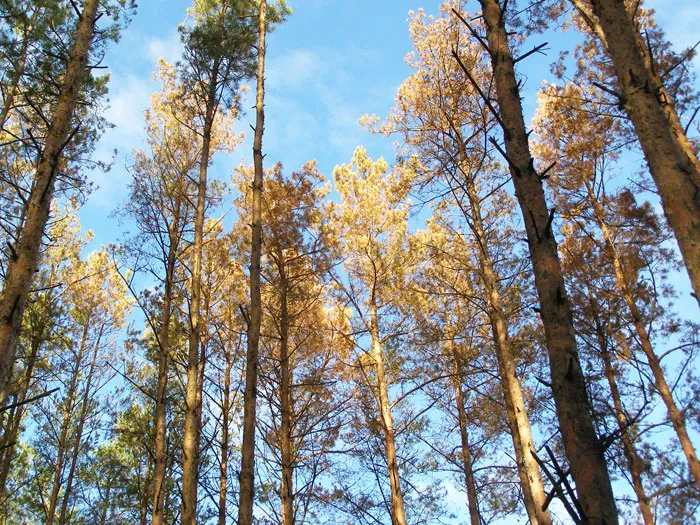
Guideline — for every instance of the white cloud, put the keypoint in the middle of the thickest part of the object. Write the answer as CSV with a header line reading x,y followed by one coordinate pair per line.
x,y
169,48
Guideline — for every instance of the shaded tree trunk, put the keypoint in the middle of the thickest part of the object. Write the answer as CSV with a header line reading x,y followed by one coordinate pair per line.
x,y
634,462
467,465
247,476
78,436
285,405
25,262
581,443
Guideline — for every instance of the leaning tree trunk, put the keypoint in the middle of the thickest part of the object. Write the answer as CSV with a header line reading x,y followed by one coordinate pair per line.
x,y
25,260
675,414
398,516
582,446
634,462
523,445
65,426
78,435
673,163
247,476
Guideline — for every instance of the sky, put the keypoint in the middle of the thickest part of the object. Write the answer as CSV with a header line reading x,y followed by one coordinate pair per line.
x,y
330,63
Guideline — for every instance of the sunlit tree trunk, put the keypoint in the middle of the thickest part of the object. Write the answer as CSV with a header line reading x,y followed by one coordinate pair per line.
x,y
581,443
160,424
673,163
528,470
24,263
225,422
675,414
398,516
247,476
191,438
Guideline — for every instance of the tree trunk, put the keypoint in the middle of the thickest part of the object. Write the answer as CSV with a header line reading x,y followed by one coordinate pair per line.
x,y
21,63
634,462
14,421
398,517
247,476
191,437
581,443
22,267
285,405
472,499
528,470
65,426
226,409
160,423
673,164
675,414
78,436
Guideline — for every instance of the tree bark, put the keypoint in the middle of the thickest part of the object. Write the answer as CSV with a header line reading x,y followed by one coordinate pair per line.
x,y
398,516
675,414
634,462
582,446
467,466
78,436
192,433
528,470
285,405
673,163
22,267
65,426
160,446
225,416
247,476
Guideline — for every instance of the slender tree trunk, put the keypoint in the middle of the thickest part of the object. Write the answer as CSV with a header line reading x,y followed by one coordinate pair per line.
x,y
674,413
398,516
143,500
467,466
160,423
13,89
673,163
191,438
105,508
78,436
528,470
581,443
285,406
247,476
65,426
226,414
14,420
24,264
634,462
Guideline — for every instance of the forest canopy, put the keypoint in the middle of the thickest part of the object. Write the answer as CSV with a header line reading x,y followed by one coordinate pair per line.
x,y
332,263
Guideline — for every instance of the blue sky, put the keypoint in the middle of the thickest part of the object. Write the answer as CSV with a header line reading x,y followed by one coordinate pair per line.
x,y
330,63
